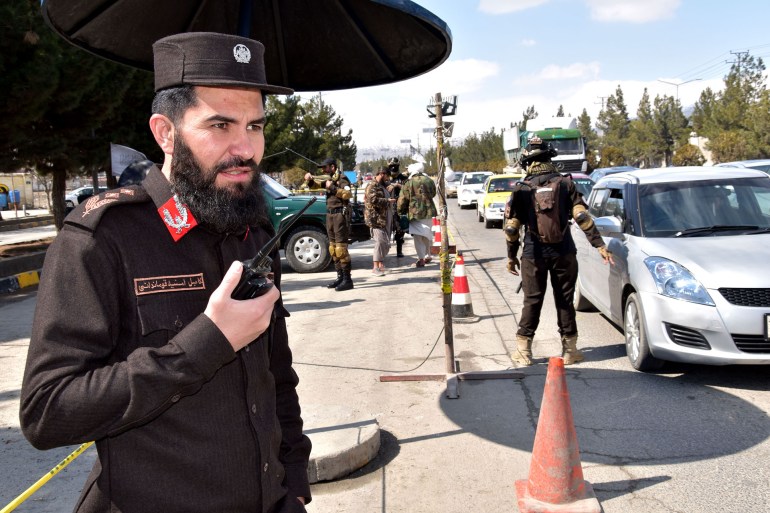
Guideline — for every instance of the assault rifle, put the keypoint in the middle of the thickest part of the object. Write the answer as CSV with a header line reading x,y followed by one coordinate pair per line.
x,y
255,279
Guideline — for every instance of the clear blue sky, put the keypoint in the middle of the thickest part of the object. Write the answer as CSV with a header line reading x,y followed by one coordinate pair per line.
x,y
510,54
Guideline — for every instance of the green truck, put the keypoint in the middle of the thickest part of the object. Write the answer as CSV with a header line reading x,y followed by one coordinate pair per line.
x,y
306,245
561,132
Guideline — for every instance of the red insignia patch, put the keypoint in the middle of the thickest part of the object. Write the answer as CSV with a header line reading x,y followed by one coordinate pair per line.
x,y
179,220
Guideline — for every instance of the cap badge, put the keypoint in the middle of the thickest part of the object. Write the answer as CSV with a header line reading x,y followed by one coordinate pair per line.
x,y
179,220
242,53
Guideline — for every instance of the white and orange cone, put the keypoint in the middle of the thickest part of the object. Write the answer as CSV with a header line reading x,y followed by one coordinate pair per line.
x,y
461,294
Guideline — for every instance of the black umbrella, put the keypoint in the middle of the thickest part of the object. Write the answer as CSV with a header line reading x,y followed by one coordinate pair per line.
x,y
310,45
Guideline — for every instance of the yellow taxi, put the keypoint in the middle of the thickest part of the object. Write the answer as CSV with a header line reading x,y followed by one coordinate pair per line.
x,y
494,193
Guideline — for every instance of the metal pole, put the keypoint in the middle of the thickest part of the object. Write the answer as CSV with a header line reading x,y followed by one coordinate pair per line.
x,y
446,283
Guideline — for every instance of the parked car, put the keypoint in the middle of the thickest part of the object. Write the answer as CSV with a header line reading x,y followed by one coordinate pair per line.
x,y
691,247
583,183
79,195
450,186
306,245
469,188
601,172
495,192
761,164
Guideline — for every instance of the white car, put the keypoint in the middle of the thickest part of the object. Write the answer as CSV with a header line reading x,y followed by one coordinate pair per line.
x,y
761,164
470,188
79,195
690,281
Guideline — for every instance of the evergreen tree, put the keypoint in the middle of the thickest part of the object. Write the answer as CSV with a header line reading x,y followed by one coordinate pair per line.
x,y
735,119
591,138
671,127
613,123
479,153
58,102
641,146
528,114
560,112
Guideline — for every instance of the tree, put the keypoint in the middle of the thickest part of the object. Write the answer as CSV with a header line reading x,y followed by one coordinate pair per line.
x,y
528,114
688,155
482,152
326,129
671,127
300,133
590,136
560,112
736,119
70,98
641,146
613,121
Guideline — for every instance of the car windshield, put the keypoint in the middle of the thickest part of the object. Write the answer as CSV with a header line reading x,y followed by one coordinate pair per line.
x,y
673,208
568,146
583,185
501,185
475,179
274,189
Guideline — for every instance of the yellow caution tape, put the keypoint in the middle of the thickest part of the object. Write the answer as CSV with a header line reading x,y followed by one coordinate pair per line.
x,y
15,503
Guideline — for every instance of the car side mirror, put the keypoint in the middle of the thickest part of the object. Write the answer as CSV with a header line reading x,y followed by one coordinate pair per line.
x,y
609,226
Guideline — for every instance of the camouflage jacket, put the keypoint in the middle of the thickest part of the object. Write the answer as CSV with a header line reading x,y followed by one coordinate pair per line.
x,y
376,206
416,198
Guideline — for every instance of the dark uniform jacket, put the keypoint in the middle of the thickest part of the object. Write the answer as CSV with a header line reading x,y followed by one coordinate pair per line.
x,y
522,208
122,353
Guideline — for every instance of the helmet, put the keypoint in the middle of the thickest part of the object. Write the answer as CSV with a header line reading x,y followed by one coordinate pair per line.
x,y
537,151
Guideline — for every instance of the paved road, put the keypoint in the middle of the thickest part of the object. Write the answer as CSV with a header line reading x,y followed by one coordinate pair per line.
x,y
688,439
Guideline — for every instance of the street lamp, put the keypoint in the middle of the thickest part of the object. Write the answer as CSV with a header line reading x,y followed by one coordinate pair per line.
x,y
679,84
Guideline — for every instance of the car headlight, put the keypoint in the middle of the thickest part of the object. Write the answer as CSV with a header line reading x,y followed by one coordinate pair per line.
x,y
674,281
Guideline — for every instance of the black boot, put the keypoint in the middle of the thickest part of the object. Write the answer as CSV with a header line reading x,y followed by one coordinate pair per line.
x,y
399,248
347,281
336,282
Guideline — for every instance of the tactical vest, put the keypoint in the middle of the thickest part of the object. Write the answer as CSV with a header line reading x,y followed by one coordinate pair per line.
x,y
546,202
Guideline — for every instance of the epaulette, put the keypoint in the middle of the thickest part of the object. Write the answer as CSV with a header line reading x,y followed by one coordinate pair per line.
x,y
89,213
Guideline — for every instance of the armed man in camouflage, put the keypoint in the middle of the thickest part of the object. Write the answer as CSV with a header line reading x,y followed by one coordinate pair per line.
x,y
397,181
540,259
416,202
378,216
338,214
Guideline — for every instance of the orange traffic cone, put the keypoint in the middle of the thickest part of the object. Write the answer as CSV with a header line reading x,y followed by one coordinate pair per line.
x,y
461,294
435,249
556,481
436,225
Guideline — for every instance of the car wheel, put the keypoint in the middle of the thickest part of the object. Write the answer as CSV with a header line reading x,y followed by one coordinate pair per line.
x,y
307,250
637,348
488,224
579,300
479,217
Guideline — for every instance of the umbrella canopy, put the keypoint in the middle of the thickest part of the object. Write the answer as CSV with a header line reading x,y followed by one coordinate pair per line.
x,y
310,45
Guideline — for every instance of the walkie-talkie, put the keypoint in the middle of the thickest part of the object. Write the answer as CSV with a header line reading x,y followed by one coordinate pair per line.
x,y
254,280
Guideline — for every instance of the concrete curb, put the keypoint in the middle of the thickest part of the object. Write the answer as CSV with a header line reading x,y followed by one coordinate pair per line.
x,y
341,449
19,281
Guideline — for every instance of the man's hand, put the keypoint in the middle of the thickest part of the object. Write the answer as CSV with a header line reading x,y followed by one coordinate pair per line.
x,y
308,176
606,255
241,321
513,266
328,184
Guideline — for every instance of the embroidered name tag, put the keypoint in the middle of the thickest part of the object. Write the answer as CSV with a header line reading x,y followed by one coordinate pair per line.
x,y
158,284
